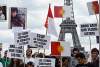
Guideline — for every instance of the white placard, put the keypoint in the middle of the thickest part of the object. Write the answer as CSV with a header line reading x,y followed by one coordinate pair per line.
x,y
22,37
89,29
39,41
16,51
45,62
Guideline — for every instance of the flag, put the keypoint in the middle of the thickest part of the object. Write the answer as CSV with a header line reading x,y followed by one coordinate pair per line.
x,y
93,7
58,11
49,24
97,39
54,48
60,48
67,11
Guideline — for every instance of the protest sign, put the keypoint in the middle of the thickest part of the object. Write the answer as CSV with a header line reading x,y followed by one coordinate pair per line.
x,y
45,62
89,29
39,41
22,37
16,51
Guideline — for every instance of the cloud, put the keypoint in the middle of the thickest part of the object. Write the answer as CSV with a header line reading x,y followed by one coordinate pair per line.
x,y
6,36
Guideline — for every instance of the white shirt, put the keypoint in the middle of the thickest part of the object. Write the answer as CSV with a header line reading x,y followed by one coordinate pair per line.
x,y
29,59
1,64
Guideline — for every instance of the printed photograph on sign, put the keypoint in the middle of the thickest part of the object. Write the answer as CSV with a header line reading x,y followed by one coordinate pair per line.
x,y
18,17
3,13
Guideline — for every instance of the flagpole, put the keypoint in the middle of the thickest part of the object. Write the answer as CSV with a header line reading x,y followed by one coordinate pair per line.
x,y
90,46
46,30
90,42
61,61
99,36
24,55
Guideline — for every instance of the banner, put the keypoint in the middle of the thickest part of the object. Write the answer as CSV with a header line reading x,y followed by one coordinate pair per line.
x,y
16,51
39,41
89,29
45,62
22,37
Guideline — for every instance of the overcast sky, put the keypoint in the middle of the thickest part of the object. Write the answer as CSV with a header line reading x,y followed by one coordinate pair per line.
x,y
36,16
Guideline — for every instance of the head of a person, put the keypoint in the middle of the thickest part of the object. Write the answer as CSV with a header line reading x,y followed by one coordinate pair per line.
x,y
40,55
30,64
81,58
15,61
75,51
5,53
94,53
29,52
1,10
14,12
65,61
35,54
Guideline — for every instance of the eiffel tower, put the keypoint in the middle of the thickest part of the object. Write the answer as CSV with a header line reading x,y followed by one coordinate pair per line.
x,y
68,25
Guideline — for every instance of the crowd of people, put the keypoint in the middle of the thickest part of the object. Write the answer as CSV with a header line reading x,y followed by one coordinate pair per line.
x,y
77,59
80,59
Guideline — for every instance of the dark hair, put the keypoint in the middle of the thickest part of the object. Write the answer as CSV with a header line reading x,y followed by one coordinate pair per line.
x,y
0,8
30,63
14,10
64,58
80,55
6,51
95,50
40,55
75,49
12,62
29,49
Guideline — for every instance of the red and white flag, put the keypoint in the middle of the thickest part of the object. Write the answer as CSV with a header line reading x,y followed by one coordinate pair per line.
x,y
60,48
93,7
49,24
